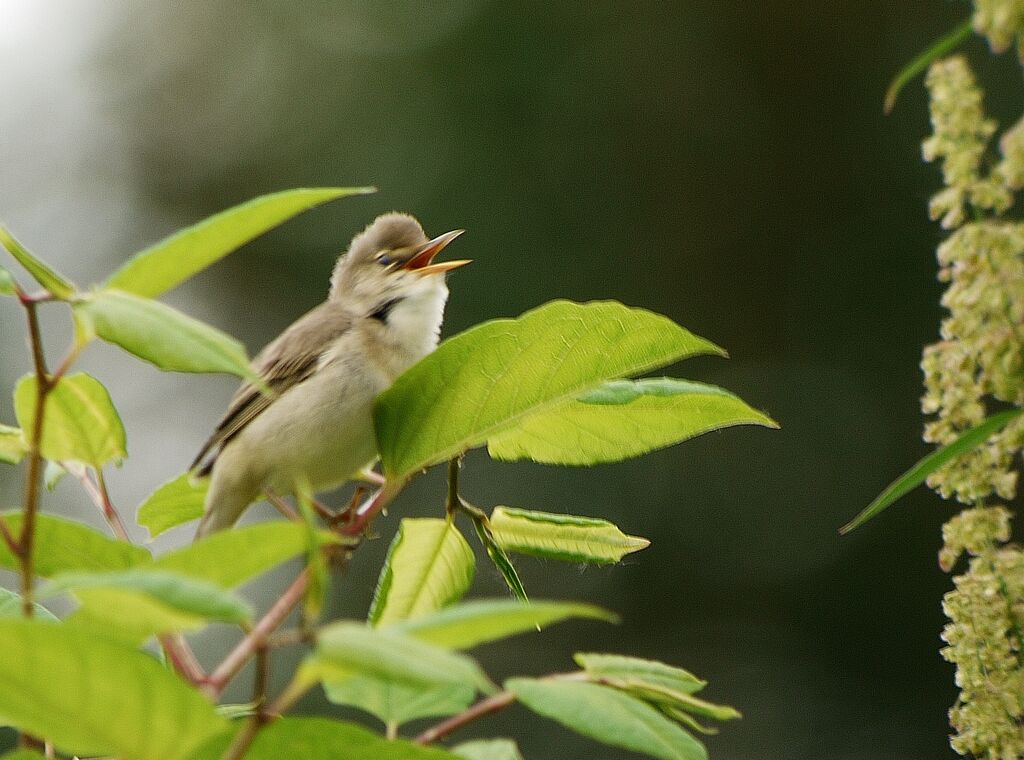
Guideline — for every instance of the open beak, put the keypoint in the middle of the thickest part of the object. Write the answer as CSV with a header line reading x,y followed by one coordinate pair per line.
x,y
422,261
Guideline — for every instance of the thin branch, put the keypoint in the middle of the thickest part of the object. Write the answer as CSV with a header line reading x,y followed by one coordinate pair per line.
x,y
362,516
8,538
484,707
181,657
97,491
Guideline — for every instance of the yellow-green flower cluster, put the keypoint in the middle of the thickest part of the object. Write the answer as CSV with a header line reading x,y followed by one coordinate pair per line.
x,y
984,636
1002,22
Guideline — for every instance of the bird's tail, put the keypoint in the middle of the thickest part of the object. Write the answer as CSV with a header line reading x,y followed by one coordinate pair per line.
x,y
223,508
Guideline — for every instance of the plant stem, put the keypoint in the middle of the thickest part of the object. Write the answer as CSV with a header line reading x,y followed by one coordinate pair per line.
x,y
369,509
484,707
101,498
181,657
9,538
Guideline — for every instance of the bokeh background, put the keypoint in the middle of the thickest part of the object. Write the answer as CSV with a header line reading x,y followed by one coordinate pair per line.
x,y
726,163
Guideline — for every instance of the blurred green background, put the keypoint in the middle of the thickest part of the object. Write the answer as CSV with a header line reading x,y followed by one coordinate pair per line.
x,y
725,163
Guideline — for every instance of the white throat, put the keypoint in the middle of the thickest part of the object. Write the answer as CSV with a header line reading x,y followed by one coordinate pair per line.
x,y
414,324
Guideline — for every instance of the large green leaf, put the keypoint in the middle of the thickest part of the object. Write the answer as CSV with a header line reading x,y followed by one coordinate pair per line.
x,y
622,419
562,537
321,739
23,754
494,376
469,624
429,566
63,545
10,607
58,285
609,716
91,696
232,557
7,284
186,253
163,336
174,503
12,445
396,703
80,422
622,667
488,749
917,474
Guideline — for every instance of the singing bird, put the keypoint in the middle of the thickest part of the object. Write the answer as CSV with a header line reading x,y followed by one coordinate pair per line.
x,y
383,313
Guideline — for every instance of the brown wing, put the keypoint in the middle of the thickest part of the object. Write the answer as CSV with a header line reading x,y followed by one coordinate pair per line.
x,y
284,363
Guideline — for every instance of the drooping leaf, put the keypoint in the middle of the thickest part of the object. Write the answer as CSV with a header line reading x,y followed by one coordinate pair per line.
x,y
469,624
562,537
321,739
7,285
609,716
488,749
622,667
12,445
174,503
63,545
186,253
80,421
622,419
917,474
10,607
162,336
58,285
91,696
429,566
492,377
501,560
396,703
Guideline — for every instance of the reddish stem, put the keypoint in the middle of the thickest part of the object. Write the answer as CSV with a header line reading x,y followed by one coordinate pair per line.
x,y
484,707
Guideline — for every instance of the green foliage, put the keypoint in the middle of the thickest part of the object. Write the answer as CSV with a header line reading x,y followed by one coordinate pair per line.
x,y
57,285
635,669
10,607
91,696
562,537
12,444
174,503
8,287
488,749
64,545
82,424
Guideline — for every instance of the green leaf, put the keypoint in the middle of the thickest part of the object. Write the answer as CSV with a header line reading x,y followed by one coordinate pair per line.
x,y
10,607
12,445
349,648
8,287
494,376
652,672
149,600
917,474
500,560
189,251
232,557
622,419
316,562
321,739
58,285
23,754
53,474
563,537
943,46
91,696
488,749
174,503
477,622
609,716
398,703
63,545
429,566
162,336
80,422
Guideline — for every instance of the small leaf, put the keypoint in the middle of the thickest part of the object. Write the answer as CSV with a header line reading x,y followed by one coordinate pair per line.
x,y
488,749
622,419
91,696
58,285
63,545
162,336
917,474
398,703
8,287
174,503
316,563
943,46
609,716
12,445
501,561
53,474
563,537
80,422
477,622
492,377
188,252
320,739
634,668
429,566
10,607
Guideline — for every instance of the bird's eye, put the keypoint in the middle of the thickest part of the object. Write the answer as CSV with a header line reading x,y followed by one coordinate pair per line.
x,y
384,259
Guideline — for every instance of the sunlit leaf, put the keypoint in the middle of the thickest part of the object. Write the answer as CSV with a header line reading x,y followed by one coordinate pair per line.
x,y
91,696
162,336
429,566
58,285
182,255
80,421
492,377
63,545
488,749
647,671
12,444
10,607
609,716
622,419
563,537
174,503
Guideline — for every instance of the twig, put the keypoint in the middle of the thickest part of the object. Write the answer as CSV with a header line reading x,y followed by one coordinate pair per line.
x,y
244,739
181,657
484,707
9,538
362,516
97,491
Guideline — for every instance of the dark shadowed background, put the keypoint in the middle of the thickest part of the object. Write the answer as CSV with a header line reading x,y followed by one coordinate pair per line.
x,y
725,163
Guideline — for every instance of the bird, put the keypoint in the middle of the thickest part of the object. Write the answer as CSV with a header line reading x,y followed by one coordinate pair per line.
x,y
314,429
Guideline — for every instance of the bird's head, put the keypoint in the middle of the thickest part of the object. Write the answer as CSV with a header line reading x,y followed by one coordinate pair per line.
x,y
390,261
